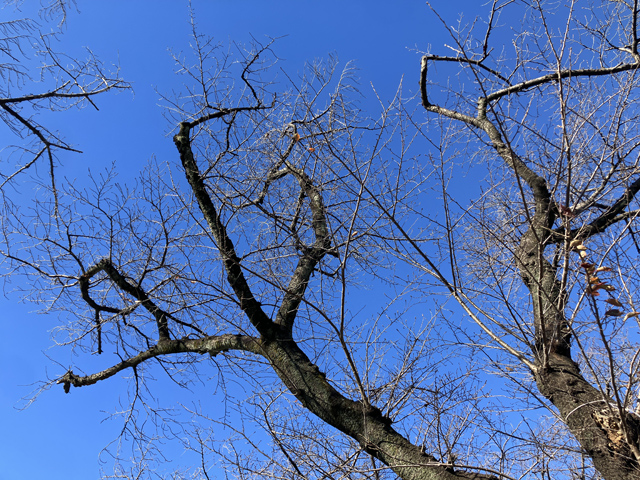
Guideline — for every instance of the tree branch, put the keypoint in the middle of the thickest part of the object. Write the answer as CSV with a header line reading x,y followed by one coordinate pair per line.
x,y
134,290
556,76
212,345
235,275
614,214
310,257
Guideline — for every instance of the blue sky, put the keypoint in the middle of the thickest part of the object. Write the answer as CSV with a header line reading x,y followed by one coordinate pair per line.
x,y
60,436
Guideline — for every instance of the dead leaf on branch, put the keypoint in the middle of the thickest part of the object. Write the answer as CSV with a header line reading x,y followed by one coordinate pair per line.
x,y
614,302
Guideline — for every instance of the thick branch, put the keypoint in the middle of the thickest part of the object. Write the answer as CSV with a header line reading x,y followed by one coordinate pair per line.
x,y
311,256
554,77
591,418
212,345
364,423
536,183
134,290
614,214
583,407
231,261
437,109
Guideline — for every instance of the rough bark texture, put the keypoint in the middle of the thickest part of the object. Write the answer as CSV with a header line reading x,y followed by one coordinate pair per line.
x,y
364,423
589,415
594,420
608,434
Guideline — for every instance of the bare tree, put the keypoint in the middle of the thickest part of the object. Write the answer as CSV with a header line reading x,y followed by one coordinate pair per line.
x,y
559,225
250,257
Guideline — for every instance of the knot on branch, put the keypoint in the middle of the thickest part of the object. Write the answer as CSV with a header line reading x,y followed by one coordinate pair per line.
x,y
182,137
69,379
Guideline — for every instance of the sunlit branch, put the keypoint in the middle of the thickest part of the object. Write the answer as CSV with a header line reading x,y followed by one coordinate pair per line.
x,y
521,170
470,61
562,74
310,257
212,345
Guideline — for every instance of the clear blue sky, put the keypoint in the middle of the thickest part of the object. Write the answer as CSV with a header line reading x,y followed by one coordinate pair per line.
x,y
60,436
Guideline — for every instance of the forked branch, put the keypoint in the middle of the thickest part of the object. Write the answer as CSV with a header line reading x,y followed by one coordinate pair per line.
x,y
235,276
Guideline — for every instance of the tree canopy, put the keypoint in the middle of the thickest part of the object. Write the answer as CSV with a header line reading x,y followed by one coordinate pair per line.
x,y
443,288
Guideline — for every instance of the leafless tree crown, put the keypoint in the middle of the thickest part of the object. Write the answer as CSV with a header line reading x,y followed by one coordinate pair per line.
x,y
444,290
